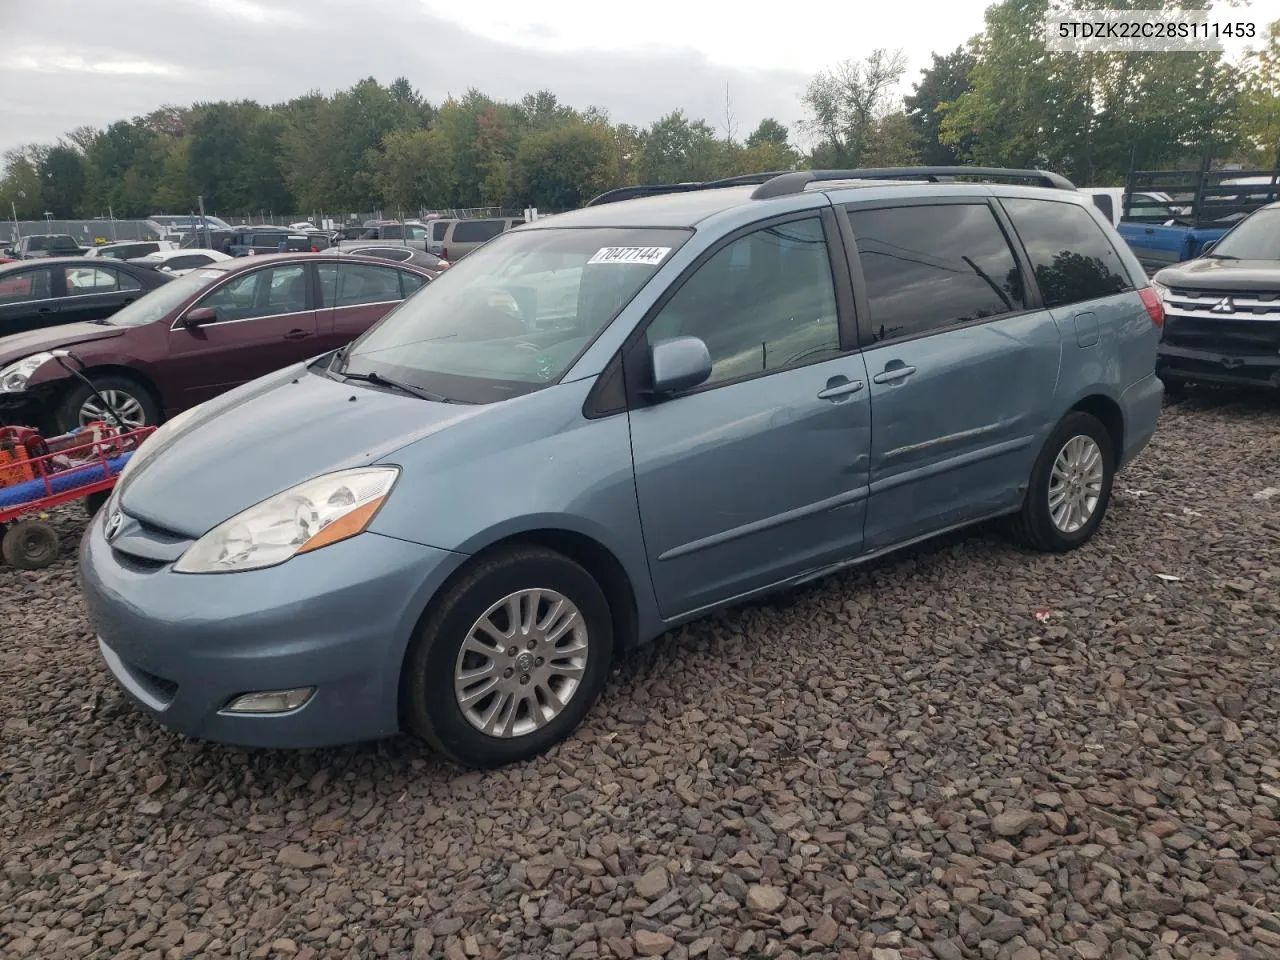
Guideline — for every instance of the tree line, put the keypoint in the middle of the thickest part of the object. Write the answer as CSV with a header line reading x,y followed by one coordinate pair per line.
x,y
1001,99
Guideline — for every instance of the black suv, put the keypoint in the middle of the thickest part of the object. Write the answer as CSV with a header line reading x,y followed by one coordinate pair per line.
x,y
1222,311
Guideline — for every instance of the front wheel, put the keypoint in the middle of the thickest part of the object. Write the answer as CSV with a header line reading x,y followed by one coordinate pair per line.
x,y
1070,486
510,660
128,398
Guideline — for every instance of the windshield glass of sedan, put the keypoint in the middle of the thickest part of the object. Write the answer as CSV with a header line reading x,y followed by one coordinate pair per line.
x,y
162,300
513,316
1256,238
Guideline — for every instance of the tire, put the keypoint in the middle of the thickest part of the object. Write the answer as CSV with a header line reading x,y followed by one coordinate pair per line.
x,y
430,706
94,502
1034,525
133,399
1175,388
30,545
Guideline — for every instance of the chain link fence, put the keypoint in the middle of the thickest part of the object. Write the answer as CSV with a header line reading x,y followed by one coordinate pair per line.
x,y
87,233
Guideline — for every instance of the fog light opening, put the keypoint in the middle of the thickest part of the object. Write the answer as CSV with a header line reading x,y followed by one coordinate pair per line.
x,y
270,701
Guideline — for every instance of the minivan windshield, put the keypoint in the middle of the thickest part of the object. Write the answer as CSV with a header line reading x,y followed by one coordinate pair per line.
x,y
1257,237
163,299
514,315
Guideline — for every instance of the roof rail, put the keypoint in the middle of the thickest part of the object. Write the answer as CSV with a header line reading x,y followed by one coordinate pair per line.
x,y
797,180
654,189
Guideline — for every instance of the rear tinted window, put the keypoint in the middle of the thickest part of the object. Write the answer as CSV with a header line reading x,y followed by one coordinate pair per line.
x,y
932,267
31,285
439,229
1103,203
477,231
1072,258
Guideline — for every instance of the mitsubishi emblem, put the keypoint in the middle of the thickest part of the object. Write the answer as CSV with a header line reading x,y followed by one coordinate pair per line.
x,y
1223,306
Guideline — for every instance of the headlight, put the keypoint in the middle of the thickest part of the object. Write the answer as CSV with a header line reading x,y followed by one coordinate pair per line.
x,y
13,378
305,518
153,443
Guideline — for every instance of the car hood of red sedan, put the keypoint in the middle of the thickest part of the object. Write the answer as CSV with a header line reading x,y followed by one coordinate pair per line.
x,y
18,345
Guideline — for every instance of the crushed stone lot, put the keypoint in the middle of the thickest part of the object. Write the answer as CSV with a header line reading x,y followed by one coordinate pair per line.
x,y
965,750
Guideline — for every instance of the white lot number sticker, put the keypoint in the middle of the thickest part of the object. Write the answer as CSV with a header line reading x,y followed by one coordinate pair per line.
x,y
648,256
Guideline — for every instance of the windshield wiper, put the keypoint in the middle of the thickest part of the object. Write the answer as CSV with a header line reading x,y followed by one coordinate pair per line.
x,y
379,380
1221,256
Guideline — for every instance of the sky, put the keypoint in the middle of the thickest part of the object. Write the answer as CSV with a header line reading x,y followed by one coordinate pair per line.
x,y
64,63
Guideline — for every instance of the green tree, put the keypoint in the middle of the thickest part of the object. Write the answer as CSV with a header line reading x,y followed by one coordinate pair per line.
x,y
563,167
847,103
124,163
769,131
176,190
1087,115
62,181
943,81
676,150
331,146
20,189
1260,102
417,170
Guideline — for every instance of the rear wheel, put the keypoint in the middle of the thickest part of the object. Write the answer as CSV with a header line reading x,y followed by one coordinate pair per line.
x,y
509,661
130,399
1070,486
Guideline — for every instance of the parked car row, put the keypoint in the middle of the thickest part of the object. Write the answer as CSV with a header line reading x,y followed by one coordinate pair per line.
x,y
193,337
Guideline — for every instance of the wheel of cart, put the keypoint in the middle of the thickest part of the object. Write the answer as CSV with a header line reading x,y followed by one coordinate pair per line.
x,y
30,544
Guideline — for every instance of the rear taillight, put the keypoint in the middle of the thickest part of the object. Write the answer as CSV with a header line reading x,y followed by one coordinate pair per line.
x,y
444,253
1155,308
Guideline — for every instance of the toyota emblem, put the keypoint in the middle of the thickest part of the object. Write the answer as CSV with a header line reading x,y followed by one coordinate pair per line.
x,y
113,524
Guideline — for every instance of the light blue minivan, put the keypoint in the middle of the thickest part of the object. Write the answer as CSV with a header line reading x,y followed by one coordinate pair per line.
x,y
602,425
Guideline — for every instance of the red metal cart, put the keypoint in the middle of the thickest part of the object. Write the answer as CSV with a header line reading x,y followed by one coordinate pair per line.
x,y
37,474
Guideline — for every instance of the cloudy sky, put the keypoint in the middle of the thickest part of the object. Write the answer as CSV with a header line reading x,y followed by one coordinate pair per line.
x,y
68,62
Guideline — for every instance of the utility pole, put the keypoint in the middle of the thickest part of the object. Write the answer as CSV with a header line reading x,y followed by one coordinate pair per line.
x,y
208,241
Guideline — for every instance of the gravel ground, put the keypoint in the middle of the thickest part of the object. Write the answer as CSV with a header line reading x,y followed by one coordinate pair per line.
x,y
964,751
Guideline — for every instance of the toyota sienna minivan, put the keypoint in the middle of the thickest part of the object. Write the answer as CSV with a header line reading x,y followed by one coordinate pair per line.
x,y
599,427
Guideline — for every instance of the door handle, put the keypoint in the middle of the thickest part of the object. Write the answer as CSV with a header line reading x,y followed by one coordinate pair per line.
x,y
836,391
45,311
892,374
297,335
1149,230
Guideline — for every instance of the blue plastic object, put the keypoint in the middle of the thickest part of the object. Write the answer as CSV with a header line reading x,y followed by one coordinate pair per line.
x,y
33,490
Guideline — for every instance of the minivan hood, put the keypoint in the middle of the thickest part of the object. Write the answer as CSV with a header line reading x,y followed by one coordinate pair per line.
x,y
1210,274
267,436
18,345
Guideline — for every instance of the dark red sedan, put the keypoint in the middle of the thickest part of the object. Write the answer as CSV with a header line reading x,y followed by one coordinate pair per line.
x,y
198,336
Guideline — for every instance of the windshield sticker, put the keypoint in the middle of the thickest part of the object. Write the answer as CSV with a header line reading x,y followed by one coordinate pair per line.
x,y
648,256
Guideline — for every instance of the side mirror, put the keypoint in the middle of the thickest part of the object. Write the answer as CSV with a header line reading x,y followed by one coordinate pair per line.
x,y
199,317
1207,247
678,364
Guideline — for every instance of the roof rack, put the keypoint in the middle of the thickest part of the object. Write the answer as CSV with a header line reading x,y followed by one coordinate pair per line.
x,y
654,189
797,180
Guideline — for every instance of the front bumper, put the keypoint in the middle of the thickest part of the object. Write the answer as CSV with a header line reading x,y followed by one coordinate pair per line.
x,y
182,646
1217,366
